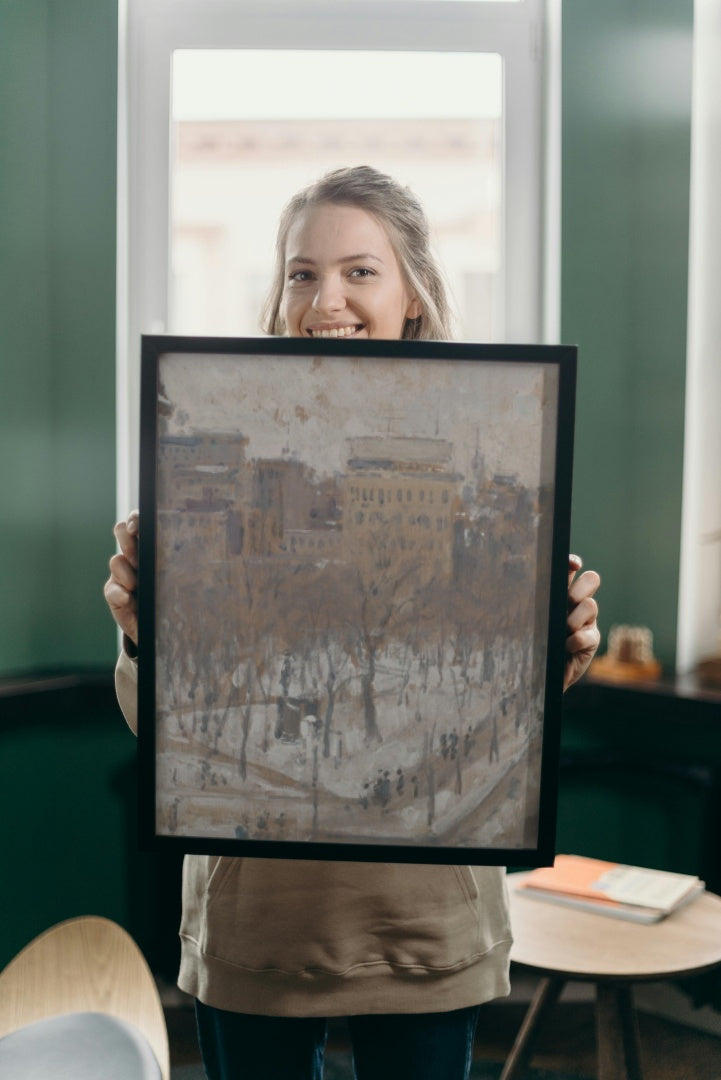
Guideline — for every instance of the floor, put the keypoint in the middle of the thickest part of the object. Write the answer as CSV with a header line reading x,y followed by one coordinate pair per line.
x,y
669,1050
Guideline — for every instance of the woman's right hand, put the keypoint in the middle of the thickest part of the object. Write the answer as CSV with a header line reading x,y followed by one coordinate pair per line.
x,y
121,587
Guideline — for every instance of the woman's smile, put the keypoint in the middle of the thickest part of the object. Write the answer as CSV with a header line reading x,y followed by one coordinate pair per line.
x,y
335,331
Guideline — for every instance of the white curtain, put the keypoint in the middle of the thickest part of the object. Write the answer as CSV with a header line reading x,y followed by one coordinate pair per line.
x,y
700,582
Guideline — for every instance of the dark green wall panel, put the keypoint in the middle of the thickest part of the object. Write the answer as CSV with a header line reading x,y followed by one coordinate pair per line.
x,y
58,76
26,394
82,273
61,789
68,798
626,146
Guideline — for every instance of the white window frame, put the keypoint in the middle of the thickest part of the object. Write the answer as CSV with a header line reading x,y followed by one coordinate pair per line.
x,y
526,34
699,596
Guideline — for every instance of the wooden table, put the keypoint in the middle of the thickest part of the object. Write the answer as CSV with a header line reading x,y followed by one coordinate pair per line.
x,y
562,944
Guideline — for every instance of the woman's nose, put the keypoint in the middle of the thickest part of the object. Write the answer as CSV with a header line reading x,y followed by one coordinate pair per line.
x,y
329,296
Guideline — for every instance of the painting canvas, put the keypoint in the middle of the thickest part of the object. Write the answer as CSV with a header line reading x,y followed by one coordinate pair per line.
x,y
353,563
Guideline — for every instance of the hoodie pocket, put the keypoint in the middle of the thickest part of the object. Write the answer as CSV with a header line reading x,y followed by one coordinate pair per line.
x,y
468,884
267,914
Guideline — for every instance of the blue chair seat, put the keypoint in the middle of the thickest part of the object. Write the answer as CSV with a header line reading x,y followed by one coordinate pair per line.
x,y
78,1046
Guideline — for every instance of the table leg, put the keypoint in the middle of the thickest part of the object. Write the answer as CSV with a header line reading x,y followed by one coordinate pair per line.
x,y
617,1033
545,997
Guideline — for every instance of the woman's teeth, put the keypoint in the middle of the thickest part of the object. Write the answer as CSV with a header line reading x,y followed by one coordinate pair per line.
x,y
337,331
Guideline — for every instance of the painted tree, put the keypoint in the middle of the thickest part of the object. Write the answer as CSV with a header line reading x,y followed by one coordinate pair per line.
x,y
380,591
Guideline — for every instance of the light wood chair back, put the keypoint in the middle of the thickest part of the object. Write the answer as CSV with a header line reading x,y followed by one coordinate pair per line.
x,y
87,964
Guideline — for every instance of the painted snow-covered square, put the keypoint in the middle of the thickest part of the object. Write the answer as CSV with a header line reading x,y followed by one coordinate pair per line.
x,y
351,595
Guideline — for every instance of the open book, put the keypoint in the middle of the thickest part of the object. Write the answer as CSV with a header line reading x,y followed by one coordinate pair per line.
x,y
608,888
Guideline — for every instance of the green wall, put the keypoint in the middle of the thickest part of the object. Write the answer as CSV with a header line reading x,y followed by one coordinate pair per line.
x,y
66,759
641,779
58,71
625,200
68,801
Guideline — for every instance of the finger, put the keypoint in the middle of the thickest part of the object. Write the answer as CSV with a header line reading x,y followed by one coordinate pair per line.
x,y
584,613
575,562
123,573
586,640
123,608
126,534
119,599
585,585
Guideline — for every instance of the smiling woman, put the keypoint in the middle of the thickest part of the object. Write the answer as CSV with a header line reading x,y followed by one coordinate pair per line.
x,y
331,292
353,259
322,110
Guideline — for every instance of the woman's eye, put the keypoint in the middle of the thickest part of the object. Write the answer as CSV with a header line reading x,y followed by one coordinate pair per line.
x,y
362,272
300,276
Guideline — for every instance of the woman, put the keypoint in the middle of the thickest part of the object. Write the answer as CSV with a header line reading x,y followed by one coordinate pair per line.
x,y
271,948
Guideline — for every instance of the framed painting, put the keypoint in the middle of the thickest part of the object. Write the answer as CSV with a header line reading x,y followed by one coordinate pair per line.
x,y
352,597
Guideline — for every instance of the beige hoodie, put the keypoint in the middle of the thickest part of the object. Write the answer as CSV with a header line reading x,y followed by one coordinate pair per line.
x,y
285,937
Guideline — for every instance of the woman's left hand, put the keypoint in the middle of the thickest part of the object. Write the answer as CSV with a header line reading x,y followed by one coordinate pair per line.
x,y
583,635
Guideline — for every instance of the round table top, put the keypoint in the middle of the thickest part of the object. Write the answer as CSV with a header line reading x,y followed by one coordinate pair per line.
x,y
559,940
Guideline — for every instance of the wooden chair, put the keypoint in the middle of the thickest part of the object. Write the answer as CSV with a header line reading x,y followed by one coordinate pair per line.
x,y
90,971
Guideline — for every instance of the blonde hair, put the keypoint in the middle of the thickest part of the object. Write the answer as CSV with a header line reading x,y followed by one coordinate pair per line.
x,y
403,217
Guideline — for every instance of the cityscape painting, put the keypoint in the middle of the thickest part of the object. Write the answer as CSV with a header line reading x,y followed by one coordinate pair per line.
x,y
352,596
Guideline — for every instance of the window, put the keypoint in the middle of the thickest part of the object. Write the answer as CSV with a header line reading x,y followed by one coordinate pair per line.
x,y
235,162
699,623
449,95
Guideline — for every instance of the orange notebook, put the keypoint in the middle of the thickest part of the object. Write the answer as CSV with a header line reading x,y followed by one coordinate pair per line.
x,y
630,892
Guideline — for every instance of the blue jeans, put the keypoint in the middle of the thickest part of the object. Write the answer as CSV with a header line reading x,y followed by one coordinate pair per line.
x,y
417,1046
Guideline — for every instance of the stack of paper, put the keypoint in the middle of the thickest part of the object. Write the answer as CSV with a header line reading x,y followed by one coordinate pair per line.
x,y
624,892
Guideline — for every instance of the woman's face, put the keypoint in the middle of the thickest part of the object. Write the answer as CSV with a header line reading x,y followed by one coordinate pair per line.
x,y
342,277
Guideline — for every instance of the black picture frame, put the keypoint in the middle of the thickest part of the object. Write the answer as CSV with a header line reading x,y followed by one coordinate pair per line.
x,y
353,564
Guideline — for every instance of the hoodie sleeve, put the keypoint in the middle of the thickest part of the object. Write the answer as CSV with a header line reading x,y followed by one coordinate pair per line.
x,y
126,688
